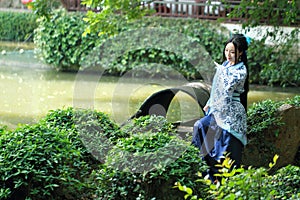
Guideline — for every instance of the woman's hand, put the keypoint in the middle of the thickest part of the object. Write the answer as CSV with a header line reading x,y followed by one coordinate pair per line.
x,y
206,108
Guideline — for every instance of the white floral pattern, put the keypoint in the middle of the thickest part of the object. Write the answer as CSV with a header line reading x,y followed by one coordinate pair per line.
x,y
228,112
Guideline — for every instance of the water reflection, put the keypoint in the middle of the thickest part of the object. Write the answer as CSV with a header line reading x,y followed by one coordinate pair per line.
x,y
29,89
260,93
15,46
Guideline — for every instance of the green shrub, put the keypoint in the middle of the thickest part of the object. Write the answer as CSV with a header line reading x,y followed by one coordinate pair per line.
x,y
251,183
192,40
49,160
60,43
259,183
17,26
286,182
146,164
59,40
264,114
40,163
94,132
260,117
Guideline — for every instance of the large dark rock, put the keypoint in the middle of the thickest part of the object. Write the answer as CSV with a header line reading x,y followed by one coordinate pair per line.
x,y
283,140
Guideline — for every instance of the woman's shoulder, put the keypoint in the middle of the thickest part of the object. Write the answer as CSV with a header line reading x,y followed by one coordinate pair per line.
x,y
239,70
240,66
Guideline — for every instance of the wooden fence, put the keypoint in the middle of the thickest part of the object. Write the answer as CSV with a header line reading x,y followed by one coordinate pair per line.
x,y
200,9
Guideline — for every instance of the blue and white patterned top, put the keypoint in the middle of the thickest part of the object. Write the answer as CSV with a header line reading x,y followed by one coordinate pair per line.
x,y
224,102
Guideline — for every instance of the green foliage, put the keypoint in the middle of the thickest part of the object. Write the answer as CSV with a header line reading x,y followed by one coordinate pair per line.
x,y
251,183
49,160
44,8
294,101
286,182
38,162
256,12
94,132
17,26
59,40
273,64
146,164
243,183
82,154
112,13
276,65
61,44
178,44
148,123
62,157
261,117
282,72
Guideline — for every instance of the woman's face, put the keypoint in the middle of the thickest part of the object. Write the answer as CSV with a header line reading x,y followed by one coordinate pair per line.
x,y
230,53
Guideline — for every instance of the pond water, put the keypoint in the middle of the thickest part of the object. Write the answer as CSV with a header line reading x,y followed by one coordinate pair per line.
x,y
29,89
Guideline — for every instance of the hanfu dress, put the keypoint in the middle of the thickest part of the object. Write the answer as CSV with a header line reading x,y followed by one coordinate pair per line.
x,y
223,129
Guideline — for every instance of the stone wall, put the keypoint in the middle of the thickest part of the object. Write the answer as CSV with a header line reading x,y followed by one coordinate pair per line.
x,y
285,144
11,4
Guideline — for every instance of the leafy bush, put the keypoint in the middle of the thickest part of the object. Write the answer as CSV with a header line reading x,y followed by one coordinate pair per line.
x,y
192,40
243,183
49,160
251,183
61,43
263,115
17,26
259,183
280,66
146,164
94,132
62,157
45,8
286,182
263,119
59,40
82,154
39,163
274,64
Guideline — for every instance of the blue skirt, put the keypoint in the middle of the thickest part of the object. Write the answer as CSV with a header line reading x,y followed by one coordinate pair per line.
x,y
213,142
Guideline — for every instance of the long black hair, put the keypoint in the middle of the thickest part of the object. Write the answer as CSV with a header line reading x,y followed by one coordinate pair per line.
x,y
240,43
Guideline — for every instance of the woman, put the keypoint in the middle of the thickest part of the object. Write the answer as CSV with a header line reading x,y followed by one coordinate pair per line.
x,y
223,129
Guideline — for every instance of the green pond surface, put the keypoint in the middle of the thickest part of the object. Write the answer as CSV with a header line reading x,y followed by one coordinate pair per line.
x,y
29,89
